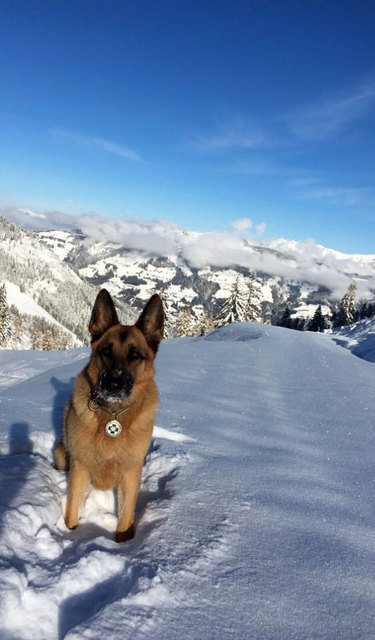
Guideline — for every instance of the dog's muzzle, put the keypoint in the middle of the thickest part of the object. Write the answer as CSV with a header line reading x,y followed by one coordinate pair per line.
x,y
116,383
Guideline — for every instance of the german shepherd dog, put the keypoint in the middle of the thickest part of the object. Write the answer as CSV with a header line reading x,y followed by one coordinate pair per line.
x,y
108,421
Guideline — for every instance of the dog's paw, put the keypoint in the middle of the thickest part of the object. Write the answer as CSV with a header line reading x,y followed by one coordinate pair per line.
x,y
123,536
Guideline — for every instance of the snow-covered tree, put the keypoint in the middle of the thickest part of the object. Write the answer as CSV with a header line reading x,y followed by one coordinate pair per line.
x,y
235,306
64,341
165,298
35,334
4,316
345,314
17,328
184,323
253,308
205,324
48,341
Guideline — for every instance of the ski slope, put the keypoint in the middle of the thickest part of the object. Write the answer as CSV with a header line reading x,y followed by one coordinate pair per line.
x,y
256,516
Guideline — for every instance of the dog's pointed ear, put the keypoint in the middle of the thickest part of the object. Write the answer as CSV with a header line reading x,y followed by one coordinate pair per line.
x,y
103,315
151,322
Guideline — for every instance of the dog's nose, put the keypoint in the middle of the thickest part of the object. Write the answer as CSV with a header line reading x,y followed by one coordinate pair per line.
x,y
114,380
114,384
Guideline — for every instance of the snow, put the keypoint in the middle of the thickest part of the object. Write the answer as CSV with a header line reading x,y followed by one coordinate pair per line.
x,y
359,338
60,242
255,518
308,310
299,248
27,305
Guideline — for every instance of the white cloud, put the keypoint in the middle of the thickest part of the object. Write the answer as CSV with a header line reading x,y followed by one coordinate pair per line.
x,y
340,196
261,228
323,119
83,140
156,237
236,134
33,214
241,224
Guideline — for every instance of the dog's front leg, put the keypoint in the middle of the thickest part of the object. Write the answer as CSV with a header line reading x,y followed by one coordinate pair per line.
x,y
78,483
127,492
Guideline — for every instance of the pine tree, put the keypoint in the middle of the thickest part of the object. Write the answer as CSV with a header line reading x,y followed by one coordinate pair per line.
x,y
363,311
252,308
167,312
234,308
205,324
35,334
299,324
286,320
65,341
317,322
184,324
48,341
345,314
17,328
4,316
370,310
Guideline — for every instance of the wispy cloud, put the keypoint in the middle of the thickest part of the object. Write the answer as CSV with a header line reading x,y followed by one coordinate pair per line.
x,y
261,228
325,118
340,196
241,224
304,184
236,134
264,167
258,167
103,144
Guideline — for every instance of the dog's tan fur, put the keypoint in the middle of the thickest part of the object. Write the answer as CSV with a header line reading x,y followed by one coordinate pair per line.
x,y
92,456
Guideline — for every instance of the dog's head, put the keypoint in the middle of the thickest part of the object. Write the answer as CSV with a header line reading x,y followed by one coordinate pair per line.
x,y
122,356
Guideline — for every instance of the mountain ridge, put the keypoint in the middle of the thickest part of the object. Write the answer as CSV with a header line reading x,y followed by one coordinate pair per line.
x,y
193,269
132,275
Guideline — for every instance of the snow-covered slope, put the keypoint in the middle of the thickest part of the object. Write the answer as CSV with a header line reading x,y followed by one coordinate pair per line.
x,y
256,514
42,285
26,305
359,338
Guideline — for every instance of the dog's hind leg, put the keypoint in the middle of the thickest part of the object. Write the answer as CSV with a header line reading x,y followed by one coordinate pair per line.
x,y
127,496
60,454
79,480
61,457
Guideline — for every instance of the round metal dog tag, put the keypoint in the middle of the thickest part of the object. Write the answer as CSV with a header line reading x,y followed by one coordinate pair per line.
x,y
113,428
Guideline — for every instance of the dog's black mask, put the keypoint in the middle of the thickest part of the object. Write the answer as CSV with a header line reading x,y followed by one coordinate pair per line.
x,y
115,384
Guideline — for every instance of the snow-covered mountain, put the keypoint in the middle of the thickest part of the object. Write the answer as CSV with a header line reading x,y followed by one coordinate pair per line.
x,y
41,285
255,517
198,270
301,274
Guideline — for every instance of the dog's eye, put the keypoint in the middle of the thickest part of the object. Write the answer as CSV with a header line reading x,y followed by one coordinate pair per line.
x,y
135,355
106,351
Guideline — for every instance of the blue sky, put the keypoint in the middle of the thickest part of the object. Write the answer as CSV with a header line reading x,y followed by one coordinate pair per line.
x,y
197,112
